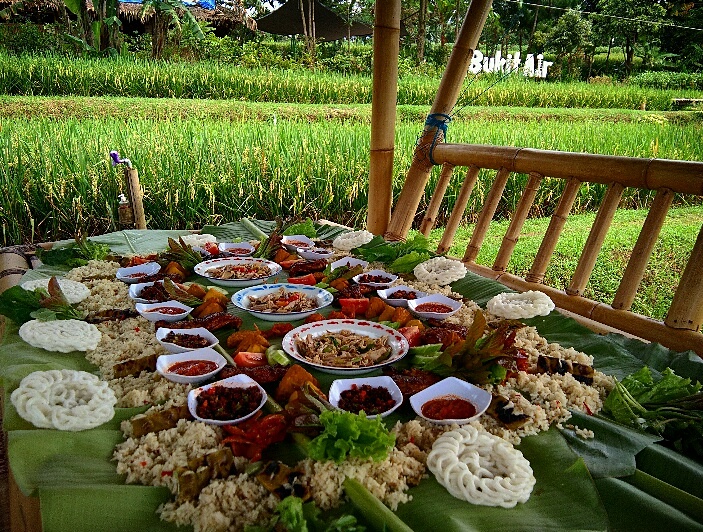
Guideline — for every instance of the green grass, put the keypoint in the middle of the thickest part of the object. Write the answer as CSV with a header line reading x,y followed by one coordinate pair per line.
x,y
660,280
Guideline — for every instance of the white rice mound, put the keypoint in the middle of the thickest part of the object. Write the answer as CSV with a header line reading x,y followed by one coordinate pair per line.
x,y
74,291
124,340
146,388
107,294
95,269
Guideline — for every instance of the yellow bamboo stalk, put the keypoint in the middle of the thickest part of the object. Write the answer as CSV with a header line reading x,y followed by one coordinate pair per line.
x,y
513,233
686,310
436,201
595,239
136,196
487,211
447,94
642,251
551,237
458,211
386,49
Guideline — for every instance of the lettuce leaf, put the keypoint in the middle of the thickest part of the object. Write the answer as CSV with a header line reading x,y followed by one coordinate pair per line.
x,y
18,304
306,228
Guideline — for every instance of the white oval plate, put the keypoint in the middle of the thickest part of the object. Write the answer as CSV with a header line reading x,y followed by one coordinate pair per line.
x,y
206,353
145,310
202,268
340,385
148,268
238,381
434,298
387,295
479,397
398,343
136,289
175,348
241,300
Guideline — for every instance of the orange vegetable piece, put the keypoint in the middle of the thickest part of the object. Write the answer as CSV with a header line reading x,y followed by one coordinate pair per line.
x,y
213,294
293,380
196,290
207,308
376,307
387,313
251,341
402,316
339,284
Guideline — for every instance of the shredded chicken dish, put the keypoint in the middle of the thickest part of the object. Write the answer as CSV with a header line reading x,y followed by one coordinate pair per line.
x,y
282,302
344,349
239,271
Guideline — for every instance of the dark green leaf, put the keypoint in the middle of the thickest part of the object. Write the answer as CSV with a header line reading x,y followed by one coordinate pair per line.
x,y
18,304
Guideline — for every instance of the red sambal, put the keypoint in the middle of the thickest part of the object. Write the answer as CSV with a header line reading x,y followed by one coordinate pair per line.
x,y
192,368
171,311
224,403
438,308
448,407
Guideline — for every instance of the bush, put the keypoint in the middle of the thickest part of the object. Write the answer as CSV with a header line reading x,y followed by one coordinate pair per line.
x,y
32,39
668,80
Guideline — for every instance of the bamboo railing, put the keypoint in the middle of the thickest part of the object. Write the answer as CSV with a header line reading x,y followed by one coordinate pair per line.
x,y
681,328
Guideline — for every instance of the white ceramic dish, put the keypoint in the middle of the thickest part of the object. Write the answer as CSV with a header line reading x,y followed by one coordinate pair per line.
x,y
202,269
387,294
136,289
451,386
238,381
293,242
391,278
241,249
134,274
340,385
175,348
146,310
241,300
436,299
314,253
398,343
206,353
348,261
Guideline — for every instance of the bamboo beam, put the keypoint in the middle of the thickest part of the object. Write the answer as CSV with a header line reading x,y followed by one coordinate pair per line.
x,y
519,216
595,239
386,49
686,310
685,177
436,201
636,266
136,196
447,94
551,237
490,205
458,211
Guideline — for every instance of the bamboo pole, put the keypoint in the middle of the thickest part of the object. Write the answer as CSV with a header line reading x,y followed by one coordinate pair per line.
x,y
489,208
551,237
447,94
136,196
436,201
386,49
634,272
458,211
595,239
686,310
519,217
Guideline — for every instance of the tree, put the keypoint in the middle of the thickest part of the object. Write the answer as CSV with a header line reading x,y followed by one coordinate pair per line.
x,y
167,14
569,39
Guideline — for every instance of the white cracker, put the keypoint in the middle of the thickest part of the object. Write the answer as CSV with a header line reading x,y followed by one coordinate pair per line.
x,y
519,306
440,271
351,240
74,291
63,336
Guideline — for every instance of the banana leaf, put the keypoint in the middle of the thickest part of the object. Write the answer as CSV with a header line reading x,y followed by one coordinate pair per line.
x,y
237,231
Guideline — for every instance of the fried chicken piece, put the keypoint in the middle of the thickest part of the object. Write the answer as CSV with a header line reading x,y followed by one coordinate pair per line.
x,y
411,381
277,331
249,341
213,322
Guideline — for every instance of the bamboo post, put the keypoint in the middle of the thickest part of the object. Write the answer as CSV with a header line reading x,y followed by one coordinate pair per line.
x,y
637,264
686,310
513,233
458,211
484,219
551,237
134,190
386,49
599,229
436,201
447,94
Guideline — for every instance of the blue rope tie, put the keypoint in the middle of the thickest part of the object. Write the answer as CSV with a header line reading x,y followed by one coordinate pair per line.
x,y
439,121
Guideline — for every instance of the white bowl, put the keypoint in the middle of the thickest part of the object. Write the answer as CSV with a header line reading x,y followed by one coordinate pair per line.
x,y
206,353
146,310
241,300
348,261
162,332
437,299
238,381
293,242
391,278
241,249
136,289
387,294
314,253
134,274
202,269
340,385
452,386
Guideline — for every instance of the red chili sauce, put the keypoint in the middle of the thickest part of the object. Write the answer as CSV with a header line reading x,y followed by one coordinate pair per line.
x,y
439,308
238,251
448,407
192,368
224,403
298,243
370,399
172,311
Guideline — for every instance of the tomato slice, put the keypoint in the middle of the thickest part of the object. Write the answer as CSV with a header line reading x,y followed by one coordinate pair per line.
x,y
412,335
354,305
211,248
286,264
308,279
247,359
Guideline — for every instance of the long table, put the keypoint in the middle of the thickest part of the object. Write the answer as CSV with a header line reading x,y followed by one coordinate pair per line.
x,y
619,480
